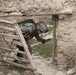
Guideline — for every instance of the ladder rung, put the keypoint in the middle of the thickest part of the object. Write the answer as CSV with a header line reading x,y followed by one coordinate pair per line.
x,y
17,43
8,22
10,41
15,57
10,35
7,28
18,65
7,49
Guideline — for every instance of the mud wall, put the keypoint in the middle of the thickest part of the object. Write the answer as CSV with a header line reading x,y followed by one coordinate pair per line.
x,y
29,6
66,28
66,37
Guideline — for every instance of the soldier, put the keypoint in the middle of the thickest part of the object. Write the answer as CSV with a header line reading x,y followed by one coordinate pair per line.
x,y
29,30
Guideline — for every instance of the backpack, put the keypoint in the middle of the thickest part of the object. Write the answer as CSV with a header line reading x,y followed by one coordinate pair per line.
x,y
27,28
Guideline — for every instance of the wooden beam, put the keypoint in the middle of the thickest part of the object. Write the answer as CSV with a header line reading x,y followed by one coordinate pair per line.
x,y
55,21
17,43
37,14
14,57
9,35
10,41
7,28
8,22
9,56
7,49
18,65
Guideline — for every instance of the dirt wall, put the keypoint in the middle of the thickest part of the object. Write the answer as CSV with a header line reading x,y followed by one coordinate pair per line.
x,y
66,28
29,6
66,36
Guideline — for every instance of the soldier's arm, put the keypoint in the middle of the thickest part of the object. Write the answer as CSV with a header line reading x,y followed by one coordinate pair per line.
x,y
39,38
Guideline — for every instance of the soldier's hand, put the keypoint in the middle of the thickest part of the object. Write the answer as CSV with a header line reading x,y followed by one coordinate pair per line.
x,y
47,40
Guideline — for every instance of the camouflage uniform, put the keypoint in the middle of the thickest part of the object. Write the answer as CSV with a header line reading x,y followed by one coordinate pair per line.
x,y
29,30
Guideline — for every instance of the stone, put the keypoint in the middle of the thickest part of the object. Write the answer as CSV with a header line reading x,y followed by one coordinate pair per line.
x,y
71,71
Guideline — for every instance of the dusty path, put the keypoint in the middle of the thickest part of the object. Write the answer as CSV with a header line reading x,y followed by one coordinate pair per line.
x,y
45,67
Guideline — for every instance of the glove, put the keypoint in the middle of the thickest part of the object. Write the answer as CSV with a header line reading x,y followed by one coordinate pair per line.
x,y
43,41
47,40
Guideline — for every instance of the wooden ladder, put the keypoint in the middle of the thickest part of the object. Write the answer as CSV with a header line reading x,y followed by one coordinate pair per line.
x,y
7,27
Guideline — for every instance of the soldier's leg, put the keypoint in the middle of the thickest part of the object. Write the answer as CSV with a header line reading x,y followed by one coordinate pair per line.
x,y
20,49
29,47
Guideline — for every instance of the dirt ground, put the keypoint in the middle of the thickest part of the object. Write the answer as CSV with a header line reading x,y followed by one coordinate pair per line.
x,y
45,67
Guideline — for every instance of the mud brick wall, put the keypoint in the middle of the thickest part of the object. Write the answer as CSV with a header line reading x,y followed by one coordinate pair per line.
x,y
66,37
66,28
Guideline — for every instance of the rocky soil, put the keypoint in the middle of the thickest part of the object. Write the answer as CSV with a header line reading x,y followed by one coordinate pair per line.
x,y
43,65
